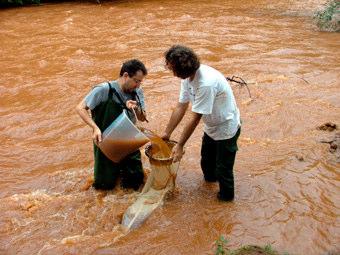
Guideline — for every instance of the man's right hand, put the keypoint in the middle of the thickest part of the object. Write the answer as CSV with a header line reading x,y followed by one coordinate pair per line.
x,y
97,136
177,153
83,111
165,136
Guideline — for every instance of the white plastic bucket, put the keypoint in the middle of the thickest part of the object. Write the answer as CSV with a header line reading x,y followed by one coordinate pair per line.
x,y
121,138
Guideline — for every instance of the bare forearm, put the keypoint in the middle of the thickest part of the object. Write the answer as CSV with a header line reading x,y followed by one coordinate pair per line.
x,y
178,150
176,117
189,128
84,115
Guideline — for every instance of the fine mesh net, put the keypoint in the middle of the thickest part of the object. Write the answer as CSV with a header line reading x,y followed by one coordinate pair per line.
x,y
160,181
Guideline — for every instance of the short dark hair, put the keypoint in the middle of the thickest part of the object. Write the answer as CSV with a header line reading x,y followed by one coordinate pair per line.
x,y
132,67
183,60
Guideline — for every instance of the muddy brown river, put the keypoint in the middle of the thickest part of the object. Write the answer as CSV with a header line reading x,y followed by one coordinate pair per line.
x,y
286,180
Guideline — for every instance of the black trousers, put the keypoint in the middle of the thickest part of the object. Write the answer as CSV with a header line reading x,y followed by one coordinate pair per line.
x,y
217,162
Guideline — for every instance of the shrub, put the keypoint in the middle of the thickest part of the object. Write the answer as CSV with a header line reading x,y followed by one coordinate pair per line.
x,y
222,249
7,3
328,19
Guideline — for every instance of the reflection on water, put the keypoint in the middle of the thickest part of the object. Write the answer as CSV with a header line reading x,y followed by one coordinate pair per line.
x,y
286,181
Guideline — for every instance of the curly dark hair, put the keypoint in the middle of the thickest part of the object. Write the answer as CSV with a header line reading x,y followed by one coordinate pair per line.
x,y
132,67
183,61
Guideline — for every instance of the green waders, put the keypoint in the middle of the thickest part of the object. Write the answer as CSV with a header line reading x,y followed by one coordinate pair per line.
x,y
107,172
217,163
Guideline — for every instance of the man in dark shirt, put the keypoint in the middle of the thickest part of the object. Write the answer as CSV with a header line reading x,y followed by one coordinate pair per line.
x,y
106,102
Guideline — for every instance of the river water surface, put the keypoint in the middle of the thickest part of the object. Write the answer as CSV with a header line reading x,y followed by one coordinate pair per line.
x,y
286,180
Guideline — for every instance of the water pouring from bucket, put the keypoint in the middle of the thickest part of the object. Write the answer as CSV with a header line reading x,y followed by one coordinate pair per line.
x,y
159,146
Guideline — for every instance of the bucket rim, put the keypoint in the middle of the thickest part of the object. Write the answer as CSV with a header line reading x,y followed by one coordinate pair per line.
x,y
134,125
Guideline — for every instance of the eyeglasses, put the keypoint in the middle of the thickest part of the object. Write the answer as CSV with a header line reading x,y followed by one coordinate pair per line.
x,y
137,80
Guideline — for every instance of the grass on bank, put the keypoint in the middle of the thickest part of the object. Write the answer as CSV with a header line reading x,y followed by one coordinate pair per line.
x,y
222,249
18,3
328,19
7,3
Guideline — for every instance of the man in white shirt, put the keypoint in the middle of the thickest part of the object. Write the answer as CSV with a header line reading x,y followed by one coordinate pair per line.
x,y
212,101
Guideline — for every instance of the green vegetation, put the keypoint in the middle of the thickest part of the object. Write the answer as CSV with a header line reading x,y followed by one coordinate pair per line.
x,y
221,246
221,249
328,19
18,2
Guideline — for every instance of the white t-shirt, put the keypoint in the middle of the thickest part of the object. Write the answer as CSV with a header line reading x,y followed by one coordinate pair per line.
x,y
211,95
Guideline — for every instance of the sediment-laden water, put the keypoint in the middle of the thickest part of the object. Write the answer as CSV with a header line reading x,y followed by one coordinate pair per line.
x,y
286,180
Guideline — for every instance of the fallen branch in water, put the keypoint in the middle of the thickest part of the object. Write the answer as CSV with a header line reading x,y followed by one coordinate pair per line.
x,y
239,82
